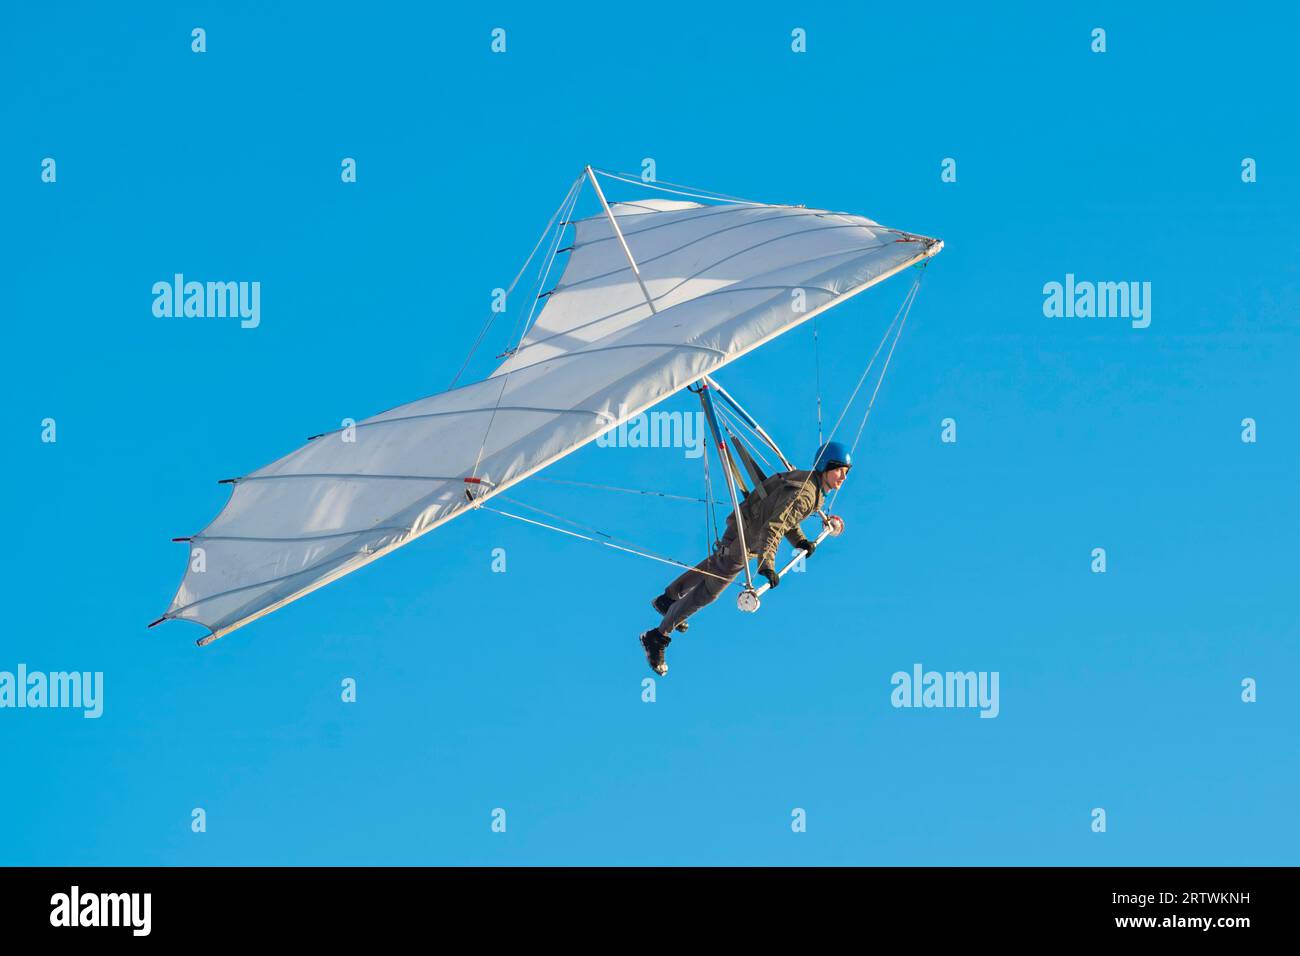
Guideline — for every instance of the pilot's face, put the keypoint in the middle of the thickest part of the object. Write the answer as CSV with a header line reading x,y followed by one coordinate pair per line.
x,y
832,478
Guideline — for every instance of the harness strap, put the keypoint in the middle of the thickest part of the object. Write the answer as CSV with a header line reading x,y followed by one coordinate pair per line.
x,y
751,466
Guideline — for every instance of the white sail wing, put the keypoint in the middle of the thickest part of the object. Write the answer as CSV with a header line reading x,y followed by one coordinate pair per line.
x,y
723,281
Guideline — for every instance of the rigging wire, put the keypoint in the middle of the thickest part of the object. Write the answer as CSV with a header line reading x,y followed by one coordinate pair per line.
x,y
633,491
611,543
817,366
735,423
710,512
905,306
571,200
544,273
519,275
680,190
916,288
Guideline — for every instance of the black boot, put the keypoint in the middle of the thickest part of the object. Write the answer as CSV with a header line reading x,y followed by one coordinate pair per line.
x,y
655,644
661,604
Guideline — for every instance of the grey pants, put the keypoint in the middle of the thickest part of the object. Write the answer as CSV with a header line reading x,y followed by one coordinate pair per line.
x,y
699,587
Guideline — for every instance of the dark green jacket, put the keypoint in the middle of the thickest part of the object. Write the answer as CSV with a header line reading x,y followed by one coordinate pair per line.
x,y
787,499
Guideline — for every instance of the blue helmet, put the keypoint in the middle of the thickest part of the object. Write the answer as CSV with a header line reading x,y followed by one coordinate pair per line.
x,y
832,455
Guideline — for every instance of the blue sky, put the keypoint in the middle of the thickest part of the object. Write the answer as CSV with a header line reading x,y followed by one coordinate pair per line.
x,y
523,690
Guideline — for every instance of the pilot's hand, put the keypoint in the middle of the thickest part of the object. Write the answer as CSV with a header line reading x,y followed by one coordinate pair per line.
x,y
773,579
808,546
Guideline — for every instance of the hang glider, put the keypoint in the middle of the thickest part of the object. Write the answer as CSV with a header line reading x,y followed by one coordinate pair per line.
x,y
655,295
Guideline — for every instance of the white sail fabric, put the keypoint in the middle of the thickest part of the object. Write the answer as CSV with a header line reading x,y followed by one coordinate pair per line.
x,y
722,278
